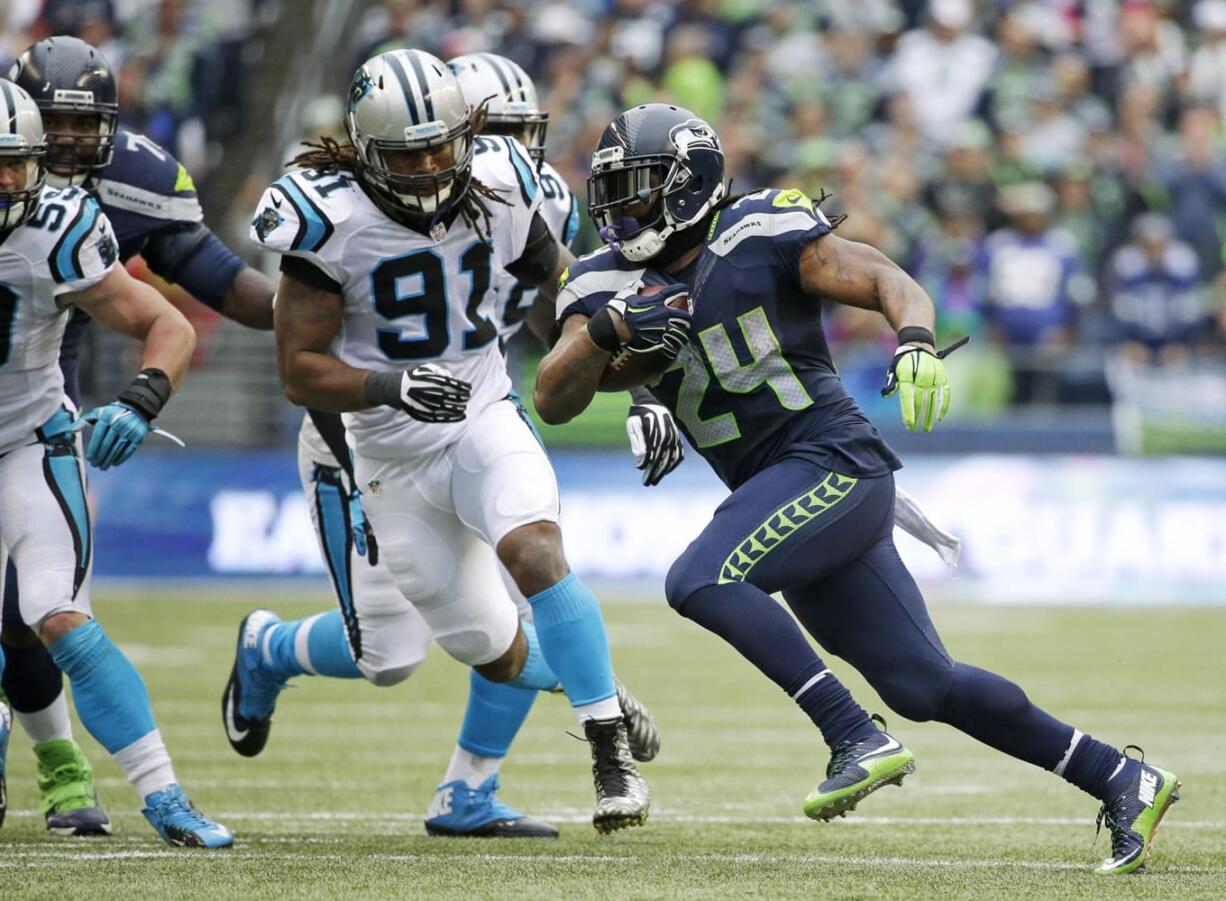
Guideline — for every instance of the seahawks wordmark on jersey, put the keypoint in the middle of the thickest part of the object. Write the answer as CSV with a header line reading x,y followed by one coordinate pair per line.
x,y
67,246
409,298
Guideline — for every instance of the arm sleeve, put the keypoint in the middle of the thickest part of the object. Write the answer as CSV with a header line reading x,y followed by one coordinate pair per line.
x,y
540,255
194,257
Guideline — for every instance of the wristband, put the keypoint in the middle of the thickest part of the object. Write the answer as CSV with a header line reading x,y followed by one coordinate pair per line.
x,y
148,393
916,334
603,332
383,388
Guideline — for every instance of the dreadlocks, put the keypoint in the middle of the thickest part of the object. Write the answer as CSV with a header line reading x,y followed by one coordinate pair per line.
x,y
331,156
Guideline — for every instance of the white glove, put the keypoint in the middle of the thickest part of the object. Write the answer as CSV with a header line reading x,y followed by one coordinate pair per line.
x,y
915,522
655,441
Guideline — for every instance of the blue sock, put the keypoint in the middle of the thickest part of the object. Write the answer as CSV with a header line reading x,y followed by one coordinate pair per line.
x,y
536,674
572,635
493,717
109,693
327,648
766,635
1095,767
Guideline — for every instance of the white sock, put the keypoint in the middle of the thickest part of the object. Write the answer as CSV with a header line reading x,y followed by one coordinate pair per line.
x,y
48,724
146,763
472,768
601,710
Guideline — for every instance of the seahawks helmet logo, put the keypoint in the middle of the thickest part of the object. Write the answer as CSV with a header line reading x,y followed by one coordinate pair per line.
x,y
266,223
693,134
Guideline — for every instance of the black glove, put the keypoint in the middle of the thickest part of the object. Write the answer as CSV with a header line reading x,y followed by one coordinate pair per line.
x,y
653,324
655,441
428,393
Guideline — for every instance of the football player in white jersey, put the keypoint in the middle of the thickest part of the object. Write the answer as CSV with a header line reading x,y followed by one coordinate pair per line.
x,y
390,248
58,251
512,108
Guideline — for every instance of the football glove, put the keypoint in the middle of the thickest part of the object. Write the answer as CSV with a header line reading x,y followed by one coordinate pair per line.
x,y
363,535
428,393
653,324
918,377
118,431
655,441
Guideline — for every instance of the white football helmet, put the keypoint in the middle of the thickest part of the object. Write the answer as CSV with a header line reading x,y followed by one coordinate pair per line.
x,y
21,140
407,100
509,95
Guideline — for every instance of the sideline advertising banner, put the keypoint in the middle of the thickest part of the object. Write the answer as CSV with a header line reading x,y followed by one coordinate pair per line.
x,y
1034,528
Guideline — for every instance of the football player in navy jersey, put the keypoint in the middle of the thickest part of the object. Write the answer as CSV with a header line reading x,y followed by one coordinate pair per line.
x,y
151,201
810,512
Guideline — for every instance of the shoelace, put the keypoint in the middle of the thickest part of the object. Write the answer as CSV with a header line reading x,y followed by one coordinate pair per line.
x,y
181,813
606,763
848,751
1113,812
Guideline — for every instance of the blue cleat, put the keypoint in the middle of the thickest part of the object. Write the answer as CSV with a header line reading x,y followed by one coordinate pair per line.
x,y
250,697
179,823
458,810
6,725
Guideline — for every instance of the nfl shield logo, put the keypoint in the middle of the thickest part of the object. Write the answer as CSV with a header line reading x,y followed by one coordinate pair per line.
x,y
438,231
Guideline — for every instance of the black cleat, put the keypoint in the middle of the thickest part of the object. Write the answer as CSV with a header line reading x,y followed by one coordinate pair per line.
x,y
622,798
641,730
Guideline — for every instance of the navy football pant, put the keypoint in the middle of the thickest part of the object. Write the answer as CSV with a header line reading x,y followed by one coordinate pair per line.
x,y
826,542
31,678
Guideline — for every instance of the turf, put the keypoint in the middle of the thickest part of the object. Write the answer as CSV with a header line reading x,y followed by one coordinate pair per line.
x,y
333,807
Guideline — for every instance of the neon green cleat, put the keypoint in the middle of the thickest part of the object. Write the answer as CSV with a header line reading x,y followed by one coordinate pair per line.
x,y
70,801
1133,819
856,770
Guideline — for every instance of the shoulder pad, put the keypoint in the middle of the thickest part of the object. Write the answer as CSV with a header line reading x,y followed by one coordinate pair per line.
x,y
83,246
771,213
146,179
600,270
501,162
302,210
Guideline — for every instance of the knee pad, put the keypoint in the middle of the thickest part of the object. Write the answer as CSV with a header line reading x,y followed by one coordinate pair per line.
x,y
683,579
385,677
471,646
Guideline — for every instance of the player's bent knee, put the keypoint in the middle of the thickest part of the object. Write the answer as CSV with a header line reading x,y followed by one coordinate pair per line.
x,y
917,692
473,647
386,677
683,580
57,625
533,556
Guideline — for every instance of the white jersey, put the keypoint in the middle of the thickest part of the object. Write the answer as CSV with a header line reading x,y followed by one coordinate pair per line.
x,y
409,298
66,247
560,210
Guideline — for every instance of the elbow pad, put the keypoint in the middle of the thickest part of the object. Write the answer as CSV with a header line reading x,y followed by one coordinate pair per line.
x,y
540,256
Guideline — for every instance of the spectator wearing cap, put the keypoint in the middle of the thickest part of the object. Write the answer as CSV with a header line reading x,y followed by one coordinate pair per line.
x,y
1156,292
945,66
1034,283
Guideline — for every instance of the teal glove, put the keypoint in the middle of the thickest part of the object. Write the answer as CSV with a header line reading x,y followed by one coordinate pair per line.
x,y
918,377
118,432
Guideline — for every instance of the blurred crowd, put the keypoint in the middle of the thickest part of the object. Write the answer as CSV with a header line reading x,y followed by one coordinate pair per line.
x,y
1052,171
179,63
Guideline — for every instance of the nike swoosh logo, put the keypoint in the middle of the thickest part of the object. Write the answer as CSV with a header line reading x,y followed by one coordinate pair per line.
x,y
892,745
275,201
232,730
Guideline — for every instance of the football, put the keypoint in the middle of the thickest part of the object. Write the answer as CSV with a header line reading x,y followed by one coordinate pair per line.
x,y
630,370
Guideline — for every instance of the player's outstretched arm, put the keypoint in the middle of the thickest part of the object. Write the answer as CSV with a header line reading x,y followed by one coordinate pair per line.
x,y
568,376
134,309
862,276
249,300
138,311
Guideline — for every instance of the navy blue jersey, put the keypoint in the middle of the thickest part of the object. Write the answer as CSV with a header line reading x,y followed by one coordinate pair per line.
x,y
756,383
148,196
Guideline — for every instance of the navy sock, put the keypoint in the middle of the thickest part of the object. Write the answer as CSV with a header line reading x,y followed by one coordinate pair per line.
x,y
31,679
1097,768
766,635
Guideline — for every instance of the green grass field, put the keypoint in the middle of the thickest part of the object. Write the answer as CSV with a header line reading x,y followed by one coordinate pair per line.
x,y
333,807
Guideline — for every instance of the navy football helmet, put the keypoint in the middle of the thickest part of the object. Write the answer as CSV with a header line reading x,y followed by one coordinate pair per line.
x,y
657,170
65,75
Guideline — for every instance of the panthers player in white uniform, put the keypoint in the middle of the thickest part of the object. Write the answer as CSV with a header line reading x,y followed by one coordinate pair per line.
x,y
390,249
58,251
